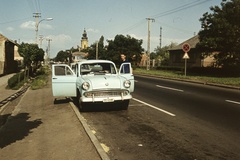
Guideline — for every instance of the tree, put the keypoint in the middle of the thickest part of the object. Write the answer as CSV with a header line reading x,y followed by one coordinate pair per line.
x,y
62,56
101,50
128,45
221,33
162,54
31,54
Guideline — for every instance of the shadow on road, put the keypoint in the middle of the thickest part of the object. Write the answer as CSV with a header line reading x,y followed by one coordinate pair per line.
x,y
63,100
102,107
16,128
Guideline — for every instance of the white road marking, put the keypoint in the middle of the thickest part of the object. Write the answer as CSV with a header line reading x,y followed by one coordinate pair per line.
x,y
159,109
230,101
174,89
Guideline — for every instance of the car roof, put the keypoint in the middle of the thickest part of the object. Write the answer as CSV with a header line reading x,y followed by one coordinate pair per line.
x,y
95,61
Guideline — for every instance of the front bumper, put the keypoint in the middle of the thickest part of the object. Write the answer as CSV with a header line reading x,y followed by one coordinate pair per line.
x,y
106,96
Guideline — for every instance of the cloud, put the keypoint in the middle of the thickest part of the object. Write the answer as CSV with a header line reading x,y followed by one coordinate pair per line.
x,y
28,25
45,26
10,28
32,25
59,42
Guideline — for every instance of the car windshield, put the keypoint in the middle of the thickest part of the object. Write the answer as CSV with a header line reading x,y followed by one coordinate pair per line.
x,y
97,68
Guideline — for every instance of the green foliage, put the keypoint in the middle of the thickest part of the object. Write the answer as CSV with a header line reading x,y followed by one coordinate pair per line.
x,y
101,50
15,80
220,32
62,56
233,81
41,78
162,54
128,45
30,53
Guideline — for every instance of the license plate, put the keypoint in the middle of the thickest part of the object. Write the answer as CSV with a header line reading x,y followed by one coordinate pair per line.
x,y
108,100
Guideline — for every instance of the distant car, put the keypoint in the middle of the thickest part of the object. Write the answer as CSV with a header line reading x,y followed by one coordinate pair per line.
x,y
93,81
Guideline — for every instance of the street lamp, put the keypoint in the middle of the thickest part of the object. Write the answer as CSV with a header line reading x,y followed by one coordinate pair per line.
x,y
37,24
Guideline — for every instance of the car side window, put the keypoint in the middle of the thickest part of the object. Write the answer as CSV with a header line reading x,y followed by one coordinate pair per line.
x,y
125,68
62,71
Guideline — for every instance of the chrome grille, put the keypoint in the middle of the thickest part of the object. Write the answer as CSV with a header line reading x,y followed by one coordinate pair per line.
x,y
100,94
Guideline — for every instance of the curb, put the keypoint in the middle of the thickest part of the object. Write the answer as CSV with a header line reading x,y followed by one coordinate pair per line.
x,y
92,137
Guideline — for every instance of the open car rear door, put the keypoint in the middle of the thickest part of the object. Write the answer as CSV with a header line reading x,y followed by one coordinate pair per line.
x,y
63,81
126,71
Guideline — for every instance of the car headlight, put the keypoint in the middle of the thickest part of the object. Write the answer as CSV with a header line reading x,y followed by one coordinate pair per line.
x,y
85,85
127,84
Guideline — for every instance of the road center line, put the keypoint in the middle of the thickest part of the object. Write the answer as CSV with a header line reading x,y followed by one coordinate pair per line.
x,y
174,89
159,109
230,101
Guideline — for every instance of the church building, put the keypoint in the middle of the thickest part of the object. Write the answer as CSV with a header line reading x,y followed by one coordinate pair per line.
x,y
81,55
84,41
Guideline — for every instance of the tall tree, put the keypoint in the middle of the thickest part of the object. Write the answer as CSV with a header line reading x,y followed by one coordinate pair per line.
x,y
221,32
62,56
31,53
128,45
101,50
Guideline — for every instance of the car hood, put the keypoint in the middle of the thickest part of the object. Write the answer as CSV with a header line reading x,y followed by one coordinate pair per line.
x,y
104,81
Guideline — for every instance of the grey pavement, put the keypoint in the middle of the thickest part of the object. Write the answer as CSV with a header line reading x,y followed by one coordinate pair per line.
x,y
39,129
5,93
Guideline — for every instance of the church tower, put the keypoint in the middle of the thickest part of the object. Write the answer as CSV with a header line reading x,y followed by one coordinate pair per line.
x,y
84,41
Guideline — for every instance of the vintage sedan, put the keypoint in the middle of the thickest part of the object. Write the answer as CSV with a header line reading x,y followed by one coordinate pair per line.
x,y
94,81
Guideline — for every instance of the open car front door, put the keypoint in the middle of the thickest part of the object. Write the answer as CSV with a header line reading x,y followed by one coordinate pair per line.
x,y
126,71
63,81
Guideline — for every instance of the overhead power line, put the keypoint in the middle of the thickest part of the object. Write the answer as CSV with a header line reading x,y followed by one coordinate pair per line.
x,y
180,8
16,20
177,9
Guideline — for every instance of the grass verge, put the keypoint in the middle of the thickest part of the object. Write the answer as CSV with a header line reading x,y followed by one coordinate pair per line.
x,y
232,81
41,78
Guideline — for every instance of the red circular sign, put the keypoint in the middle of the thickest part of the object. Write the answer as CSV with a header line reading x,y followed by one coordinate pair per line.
x,y
186,47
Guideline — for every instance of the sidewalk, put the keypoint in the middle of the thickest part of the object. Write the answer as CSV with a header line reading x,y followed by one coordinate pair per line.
x,y
39,129
5,93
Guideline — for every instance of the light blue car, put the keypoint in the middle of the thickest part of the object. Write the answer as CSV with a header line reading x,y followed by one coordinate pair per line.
x,y
94,81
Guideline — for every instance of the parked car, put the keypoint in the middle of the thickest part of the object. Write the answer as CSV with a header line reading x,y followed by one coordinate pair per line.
x,y
94,81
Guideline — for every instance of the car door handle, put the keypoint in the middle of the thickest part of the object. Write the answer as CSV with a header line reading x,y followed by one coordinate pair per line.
x,y
54,78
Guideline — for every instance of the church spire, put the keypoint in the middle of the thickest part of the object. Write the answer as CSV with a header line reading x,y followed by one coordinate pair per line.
x,y
84,41
84,35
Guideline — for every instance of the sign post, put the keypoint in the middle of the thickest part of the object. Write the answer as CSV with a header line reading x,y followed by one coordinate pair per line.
x,y
185,48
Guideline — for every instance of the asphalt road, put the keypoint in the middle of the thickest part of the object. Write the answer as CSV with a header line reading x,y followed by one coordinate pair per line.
x,y
171,120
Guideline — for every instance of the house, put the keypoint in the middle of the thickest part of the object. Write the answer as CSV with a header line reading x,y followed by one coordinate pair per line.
x,y
7,51
195,56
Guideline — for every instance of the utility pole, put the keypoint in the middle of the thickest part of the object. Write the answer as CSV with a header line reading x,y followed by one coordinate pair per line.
x,y
41,39
160,45
48,48
36,16
97,50
148,46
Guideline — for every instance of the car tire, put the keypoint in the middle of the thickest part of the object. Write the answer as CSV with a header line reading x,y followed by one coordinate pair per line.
x,y
125,104
82,106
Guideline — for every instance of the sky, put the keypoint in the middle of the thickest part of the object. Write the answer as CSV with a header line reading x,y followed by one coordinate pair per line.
x,y
179,20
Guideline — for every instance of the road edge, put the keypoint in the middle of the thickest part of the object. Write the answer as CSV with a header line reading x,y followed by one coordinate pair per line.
x,y
90,134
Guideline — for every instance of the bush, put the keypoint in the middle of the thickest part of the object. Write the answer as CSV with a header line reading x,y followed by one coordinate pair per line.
x,y
14,80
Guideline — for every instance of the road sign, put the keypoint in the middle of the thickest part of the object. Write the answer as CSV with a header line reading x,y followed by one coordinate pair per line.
x,y
185,56
186,47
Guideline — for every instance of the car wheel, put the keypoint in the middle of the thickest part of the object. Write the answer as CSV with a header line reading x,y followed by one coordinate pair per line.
x,y
125,104
81,105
